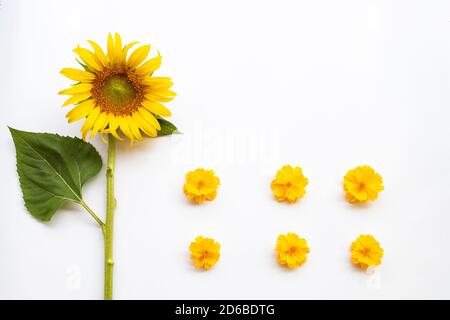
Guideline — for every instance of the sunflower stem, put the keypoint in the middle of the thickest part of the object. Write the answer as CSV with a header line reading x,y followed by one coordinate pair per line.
x,y
109,225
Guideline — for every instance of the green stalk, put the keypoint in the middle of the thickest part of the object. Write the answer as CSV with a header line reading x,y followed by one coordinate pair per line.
x,y
93,215
109,225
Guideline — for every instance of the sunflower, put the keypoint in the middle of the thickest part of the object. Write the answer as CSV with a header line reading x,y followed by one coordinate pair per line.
x,y
116,91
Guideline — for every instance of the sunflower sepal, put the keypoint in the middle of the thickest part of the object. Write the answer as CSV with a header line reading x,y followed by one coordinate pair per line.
x,y
167,128
52,170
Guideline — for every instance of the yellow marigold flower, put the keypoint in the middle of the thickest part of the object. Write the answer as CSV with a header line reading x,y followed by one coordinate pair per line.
x,y
362,184
116,91
289,184
201,185
291,250
205,252
366,251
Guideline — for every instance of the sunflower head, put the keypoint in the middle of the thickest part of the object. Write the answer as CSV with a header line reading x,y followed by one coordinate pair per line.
x,y
116,91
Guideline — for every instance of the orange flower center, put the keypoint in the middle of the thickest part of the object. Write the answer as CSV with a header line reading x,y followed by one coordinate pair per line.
x,y
292,250
118,90
200,184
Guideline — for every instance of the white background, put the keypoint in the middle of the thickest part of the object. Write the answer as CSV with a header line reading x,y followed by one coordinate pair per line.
x,y
326,85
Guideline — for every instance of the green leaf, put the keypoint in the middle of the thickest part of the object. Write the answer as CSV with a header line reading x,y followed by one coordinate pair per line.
x,y
167,128
52,170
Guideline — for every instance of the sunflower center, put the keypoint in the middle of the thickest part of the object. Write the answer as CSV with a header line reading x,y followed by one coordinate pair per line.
x,y
118,91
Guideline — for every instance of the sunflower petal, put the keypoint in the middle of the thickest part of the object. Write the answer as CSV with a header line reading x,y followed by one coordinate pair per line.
x,y
157,84
125,128
77,98
127,48
138,56
143,125
149,66
111,50
113,125
89,59
77,74
99,124
99,53
156,108
159,97
90,121
77,89
118,48
150,118
155,81
80,111
134,128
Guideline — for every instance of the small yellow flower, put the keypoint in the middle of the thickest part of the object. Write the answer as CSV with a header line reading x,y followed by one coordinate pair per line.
x,y
366,251
362,184
289,184
201,185
291,250
205,252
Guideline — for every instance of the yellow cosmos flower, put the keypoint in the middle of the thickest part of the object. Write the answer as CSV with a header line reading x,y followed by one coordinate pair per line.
x,y
117,90
362,184
289,184
205,252
366,251
291,250
201,185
